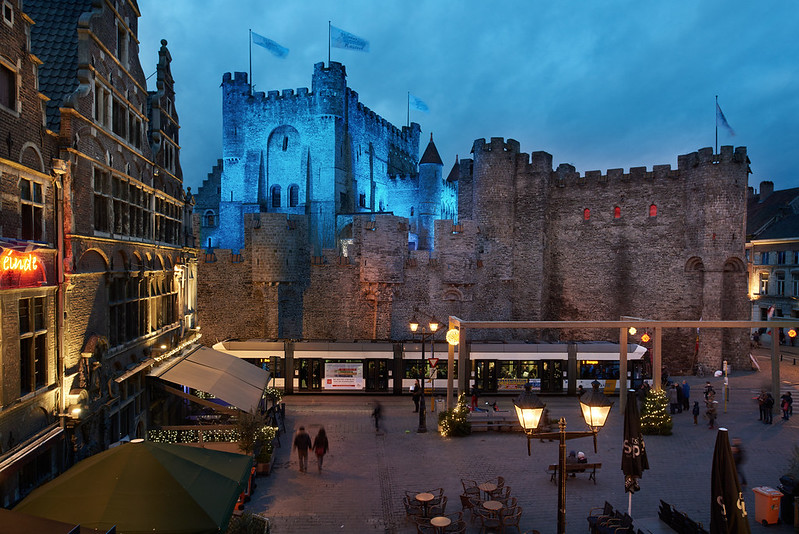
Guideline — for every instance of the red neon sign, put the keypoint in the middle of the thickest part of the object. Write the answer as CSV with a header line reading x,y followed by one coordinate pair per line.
x,y
9,261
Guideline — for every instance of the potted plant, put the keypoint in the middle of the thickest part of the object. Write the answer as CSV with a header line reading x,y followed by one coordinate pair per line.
x,y
263,461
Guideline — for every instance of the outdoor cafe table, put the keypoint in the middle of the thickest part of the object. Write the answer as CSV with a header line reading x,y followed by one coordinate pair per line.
x,y
425,499
440,522
487,488
493,506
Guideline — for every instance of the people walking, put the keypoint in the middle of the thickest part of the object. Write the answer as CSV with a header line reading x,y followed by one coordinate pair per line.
x,y
672,393
680,398
377,413
761,401
473,406
302,442
696,412
739,457
686,395
711,413
416,391
320,447
785,404
768,408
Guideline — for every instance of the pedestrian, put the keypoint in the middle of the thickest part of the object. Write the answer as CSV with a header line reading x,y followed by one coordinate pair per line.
x,y
302,442
696,411
672,399
785,405
709,390
761,401
572,459
680,398
320,447
377,413
739,457
473,407
711,413
768,408
580,391
686,395
416,392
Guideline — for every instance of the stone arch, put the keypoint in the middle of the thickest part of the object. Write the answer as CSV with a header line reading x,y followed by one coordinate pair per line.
x,y
158,263
735,306
453,294
209,218
735,265
31,156
694,263
148,261
284,160
138,262
93,261
119,262
167,263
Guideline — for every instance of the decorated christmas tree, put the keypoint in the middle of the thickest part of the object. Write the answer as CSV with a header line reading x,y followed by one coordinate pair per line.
x,y
454,422
655,418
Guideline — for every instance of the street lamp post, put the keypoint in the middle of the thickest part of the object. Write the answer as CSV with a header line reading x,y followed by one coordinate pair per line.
x,y
529,408
424,334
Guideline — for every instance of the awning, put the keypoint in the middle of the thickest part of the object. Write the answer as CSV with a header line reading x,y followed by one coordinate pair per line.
x,y
230,379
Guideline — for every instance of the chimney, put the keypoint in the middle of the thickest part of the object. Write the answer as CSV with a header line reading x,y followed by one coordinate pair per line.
x,y
766,188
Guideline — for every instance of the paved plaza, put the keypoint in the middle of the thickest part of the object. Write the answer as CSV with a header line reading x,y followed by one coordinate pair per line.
x,y
366,474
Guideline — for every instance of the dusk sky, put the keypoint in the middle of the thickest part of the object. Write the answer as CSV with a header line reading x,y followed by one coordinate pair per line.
x,y
598,85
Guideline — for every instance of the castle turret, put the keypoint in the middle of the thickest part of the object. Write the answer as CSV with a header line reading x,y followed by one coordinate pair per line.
x,y
430,189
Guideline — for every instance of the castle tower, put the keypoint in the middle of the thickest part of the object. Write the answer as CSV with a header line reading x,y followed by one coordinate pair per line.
x,y
430,188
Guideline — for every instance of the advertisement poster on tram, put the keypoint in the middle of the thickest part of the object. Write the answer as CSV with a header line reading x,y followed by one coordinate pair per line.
x,y
340,376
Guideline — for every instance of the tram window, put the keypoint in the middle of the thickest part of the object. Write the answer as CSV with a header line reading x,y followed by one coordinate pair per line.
x,y
518,369
588,369
413,369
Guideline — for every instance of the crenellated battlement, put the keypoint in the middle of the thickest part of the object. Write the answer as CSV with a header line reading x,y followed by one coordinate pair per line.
x,y
497,144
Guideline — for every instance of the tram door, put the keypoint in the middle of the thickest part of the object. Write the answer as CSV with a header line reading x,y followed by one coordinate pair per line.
x,y
377,375
485,375
551,376
310,374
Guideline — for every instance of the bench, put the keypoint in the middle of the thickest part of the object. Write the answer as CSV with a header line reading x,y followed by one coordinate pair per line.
x,y
500,423
575,468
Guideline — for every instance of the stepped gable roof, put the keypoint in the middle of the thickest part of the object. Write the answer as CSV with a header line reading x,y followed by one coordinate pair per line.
x,y
54,40
431,154
455,172
774,218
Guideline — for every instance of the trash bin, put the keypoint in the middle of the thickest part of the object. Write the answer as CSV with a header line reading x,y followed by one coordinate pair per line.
x,y
786,505
440,405
767,505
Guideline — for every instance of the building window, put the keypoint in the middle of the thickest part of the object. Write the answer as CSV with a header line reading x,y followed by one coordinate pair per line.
x,y
795,284
780,284
32,345
102,201
586,214
119,119
294,196
764,258
796,257
31,210
764,283
275,196
285,143
209,218
653,210
122,45
102,99
129,309
8,87
617,212
8,13
362,201
781,257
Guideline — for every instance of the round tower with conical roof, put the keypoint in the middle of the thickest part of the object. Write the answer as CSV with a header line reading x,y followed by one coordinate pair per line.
x,y
430,191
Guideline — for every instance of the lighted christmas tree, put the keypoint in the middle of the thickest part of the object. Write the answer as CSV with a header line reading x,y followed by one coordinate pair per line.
x,y
655,418
454,422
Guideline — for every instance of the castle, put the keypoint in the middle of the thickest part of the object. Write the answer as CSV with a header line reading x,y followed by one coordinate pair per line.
x,y
320,153
526,242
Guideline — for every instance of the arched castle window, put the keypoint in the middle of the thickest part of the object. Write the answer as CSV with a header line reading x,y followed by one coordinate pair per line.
x,y
209,218
294,196
653,210
285,143
275,196
617,212
586,214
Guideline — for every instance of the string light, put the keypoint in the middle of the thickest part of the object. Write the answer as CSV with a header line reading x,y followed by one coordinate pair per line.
x,y
655,418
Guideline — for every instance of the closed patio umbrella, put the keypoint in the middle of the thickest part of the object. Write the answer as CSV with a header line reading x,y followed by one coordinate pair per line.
x,y
727,507
633,455
146,487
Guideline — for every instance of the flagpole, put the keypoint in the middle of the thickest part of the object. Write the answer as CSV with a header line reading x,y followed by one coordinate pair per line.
x,y
328,44
717,123
250,75
408,109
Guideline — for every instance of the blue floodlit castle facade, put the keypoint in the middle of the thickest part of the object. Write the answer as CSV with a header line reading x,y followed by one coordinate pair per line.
x,y
321,153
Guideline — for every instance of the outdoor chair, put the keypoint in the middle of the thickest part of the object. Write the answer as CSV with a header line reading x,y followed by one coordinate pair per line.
x,y
466,503
510,502
437,508
512,519
413,508
468,484
595,515
456,527
502,492
488,521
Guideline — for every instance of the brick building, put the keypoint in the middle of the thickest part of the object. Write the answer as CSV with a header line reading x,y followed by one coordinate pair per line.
x,y
772,251
93,190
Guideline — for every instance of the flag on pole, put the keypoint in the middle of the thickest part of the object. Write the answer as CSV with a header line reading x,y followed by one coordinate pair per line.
x,y
721,119
269,44
341,39
417,103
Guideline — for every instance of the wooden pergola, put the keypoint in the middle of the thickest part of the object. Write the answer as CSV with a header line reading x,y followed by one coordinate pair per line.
x,y
623,326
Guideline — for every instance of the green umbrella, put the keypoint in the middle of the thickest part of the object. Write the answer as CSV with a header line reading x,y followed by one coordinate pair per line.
x,y
146,487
